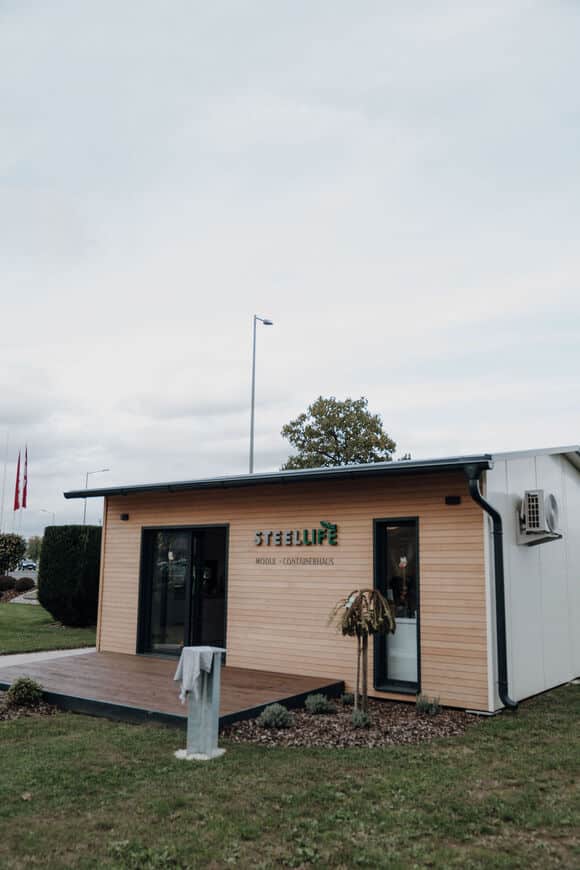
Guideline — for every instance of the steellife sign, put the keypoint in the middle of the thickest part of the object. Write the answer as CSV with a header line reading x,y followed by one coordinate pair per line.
x,y
326,534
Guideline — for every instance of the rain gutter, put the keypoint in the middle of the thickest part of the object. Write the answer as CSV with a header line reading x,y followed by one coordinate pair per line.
x,y
473,473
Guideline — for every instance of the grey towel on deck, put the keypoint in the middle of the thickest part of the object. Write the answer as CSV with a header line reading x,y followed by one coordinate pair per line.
x,y
193,660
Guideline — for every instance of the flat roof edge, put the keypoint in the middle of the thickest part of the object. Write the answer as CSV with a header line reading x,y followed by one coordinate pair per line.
x,y
379,469
571,453
572,449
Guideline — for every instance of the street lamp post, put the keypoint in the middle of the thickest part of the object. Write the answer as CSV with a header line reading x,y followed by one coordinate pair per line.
x,y
98,471
52,513
265,322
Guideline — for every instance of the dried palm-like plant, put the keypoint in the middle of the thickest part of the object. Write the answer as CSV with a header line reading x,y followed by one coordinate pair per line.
x,y
363,613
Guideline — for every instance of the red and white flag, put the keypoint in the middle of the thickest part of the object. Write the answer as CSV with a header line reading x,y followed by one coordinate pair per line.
x,y
17,486
25,482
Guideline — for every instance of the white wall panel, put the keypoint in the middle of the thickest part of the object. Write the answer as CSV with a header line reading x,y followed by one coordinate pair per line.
x,y
542,582
553,559
572,533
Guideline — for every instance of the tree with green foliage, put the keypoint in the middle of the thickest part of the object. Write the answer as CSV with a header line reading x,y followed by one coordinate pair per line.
x,y
333,432
12,550
68,574
34,547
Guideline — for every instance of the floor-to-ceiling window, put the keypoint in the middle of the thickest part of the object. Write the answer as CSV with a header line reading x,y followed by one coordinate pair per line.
x,y
397,576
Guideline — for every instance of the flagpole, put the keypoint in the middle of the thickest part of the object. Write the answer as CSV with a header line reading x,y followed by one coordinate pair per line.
x,y
3,497
24,499
16,493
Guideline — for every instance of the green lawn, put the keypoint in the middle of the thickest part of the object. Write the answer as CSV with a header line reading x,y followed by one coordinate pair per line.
x,y
87,793
29,628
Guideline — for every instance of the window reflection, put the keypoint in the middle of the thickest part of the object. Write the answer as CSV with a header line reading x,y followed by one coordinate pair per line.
x,y
171,560
402,571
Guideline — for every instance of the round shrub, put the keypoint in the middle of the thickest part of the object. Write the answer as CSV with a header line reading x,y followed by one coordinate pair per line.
x,y
6,583
68,574
360,719
12,550
24,584
347,698
275,716
319,705
24,692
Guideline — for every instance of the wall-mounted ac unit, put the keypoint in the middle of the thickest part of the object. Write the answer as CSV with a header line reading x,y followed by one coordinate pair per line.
x,y
538,518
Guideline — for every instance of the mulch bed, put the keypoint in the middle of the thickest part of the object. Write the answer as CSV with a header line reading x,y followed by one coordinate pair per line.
x,y
9,714
7,596
391,724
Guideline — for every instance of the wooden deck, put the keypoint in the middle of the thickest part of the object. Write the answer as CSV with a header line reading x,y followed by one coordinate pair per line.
x,y
139,688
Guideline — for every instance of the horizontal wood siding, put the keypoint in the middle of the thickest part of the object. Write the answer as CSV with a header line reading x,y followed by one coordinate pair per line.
x,y
277,615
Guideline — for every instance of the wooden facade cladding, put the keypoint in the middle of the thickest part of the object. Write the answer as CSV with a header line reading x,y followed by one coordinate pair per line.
x,y
277,615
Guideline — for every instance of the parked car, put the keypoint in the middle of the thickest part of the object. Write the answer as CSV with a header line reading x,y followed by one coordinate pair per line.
x,y
27,565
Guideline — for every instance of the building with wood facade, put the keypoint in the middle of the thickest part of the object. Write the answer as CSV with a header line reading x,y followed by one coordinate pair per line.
x,y
479,557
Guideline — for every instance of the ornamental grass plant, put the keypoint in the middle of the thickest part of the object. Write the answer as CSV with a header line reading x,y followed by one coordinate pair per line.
x,y
319,705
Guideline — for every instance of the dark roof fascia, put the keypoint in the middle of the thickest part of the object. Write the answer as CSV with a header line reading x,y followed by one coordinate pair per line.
x,y
379,469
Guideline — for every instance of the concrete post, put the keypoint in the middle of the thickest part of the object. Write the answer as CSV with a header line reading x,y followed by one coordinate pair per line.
x,y
203,715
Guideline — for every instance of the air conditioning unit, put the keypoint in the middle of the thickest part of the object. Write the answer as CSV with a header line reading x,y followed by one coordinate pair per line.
x,y
538,518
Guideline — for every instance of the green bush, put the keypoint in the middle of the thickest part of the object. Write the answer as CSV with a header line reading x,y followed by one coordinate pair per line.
x,y
12,550
68,574
426,706
319,705
360,719
34,547
24,584
24,692
347,698
6,583
275,716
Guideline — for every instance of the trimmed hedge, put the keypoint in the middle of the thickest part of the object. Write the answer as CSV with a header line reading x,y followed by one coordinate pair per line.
x,y
7,583
68,574
24,584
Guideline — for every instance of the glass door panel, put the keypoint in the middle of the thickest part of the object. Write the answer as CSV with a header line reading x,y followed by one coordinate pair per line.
x,y
209,588
397,577
171,570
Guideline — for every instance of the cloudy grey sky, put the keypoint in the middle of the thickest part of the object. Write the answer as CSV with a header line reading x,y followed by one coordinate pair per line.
x,y
396,184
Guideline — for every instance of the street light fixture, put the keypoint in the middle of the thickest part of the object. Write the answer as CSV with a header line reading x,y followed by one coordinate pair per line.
x,y
265,322
98,471
52,513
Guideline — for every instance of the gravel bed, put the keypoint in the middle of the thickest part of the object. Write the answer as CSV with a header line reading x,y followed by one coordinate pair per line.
x,y
391,724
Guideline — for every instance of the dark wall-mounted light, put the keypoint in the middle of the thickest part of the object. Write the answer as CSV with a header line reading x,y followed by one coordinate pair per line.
x,y
452,499
124,517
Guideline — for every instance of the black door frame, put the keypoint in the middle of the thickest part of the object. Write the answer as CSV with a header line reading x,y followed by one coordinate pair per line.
x,y
145,580
381,681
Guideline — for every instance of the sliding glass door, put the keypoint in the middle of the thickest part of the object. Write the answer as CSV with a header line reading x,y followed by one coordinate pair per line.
x,y
397,576
183,589
170,572
208,589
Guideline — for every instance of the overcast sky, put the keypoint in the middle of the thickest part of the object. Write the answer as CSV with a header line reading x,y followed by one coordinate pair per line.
x,y
395,184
